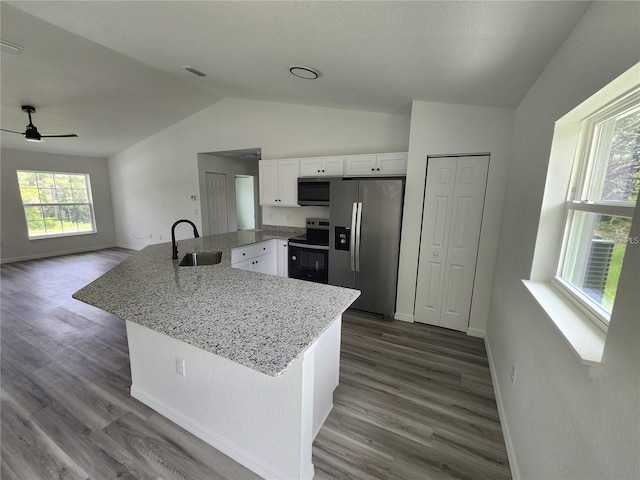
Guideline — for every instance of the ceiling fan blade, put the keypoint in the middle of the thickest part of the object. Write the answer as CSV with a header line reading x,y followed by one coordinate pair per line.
x,y
58,135
12,131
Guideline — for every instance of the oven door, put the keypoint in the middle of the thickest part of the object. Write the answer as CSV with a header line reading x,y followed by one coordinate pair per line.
x,y
309,262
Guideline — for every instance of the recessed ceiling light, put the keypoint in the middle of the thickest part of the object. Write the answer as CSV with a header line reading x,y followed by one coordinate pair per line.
x,y
301,71
194,71
10,47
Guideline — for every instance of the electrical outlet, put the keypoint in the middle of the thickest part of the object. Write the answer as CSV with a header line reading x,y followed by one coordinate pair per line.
x,y
513,374
180,366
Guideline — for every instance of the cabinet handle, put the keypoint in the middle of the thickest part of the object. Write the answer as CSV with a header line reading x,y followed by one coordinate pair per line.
x,y
373,169
378,169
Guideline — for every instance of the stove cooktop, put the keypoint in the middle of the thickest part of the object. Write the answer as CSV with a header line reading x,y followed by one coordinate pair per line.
x,y
314,239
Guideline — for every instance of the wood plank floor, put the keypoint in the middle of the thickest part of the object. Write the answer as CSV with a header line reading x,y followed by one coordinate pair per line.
x,y
414,402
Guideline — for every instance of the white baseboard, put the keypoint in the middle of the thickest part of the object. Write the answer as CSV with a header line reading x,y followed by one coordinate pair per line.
x,y
56,254
511,454
137,248
230,449
324,419
403,317
475,332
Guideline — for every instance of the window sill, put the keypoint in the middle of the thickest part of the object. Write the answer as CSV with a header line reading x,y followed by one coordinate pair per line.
x,y
61,235
584,337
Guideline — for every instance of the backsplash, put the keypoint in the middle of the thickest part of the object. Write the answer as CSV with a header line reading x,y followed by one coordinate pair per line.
x,y
284,229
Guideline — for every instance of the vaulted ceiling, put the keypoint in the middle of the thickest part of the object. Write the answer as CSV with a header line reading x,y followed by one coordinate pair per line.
x,y
111,71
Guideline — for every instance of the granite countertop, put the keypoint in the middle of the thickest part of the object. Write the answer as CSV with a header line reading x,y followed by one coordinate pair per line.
x,y
261,321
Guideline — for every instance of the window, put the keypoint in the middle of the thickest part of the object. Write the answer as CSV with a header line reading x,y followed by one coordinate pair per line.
x,y
603,195
56,204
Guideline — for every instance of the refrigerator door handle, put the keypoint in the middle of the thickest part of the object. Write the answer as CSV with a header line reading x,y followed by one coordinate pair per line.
x,y
352,241
358,228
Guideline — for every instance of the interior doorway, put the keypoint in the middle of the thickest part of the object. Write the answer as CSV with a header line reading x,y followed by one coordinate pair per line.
x,y
245,202
229,164
217,203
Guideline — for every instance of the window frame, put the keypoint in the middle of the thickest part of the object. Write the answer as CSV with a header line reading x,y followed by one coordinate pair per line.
x,y
88,203
580,186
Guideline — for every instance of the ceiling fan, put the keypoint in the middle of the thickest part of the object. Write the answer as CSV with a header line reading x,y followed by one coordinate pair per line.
x,y
32,134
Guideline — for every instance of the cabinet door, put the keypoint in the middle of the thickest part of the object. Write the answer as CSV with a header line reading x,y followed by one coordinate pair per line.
x,y
391,164
244,264
333,166
288,183
310,167
268,170
264,264
360,165
282,254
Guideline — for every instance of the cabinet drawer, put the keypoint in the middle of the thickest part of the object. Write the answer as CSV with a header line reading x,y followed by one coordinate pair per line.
x,y
243,253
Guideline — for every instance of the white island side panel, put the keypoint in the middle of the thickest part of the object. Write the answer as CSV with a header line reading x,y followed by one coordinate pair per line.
x,y
265,423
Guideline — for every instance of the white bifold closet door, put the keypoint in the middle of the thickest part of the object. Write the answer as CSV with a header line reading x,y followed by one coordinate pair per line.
x,y
451,221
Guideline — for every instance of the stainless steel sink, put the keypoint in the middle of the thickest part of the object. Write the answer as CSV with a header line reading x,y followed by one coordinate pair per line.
x,y
194,259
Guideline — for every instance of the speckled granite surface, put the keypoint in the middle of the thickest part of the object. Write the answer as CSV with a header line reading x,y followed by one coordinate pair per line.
x,y
261,321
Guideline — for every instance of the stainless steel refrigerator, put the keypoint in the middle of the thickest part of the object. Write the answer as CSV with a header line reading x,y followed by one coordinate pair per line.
x,y
364,240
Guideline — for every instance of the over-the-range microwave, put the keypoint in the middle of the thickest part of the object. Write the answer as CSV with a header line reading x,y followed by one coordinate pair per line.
x,y
313,191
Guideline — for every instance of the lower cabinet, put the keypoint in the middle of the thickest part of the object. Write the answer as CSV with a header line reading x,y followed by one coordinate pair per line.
x,y
268,257
262,264
282,251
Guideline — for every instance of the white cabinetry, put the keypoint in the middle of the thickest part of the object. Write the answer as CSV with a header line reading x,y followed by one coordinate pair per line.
x,y
279,182
376,164
270,257
322,167
258,257
282,255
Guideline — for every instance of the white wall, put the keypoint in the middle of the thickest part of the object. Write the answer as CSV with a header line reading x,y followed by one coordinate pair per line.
x,y
152,181
564,419
14,234
438,128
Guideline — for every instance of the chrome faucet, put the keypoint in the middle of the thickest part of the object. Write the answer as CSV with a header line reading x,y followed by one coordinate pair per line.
x,y
174,245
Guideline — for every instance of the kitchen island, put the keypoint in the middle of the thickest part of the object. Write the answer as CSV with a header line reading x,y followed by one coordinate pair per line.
x,y
246,361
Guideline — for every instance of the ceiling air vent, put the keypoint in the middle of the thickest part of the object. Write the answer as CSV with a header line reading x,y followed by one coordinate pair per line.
x,y
194,71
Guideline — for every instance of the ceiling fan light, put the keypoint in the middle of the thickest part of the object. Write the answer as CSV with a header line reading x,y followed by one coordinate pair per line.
x,y
306,73
32,134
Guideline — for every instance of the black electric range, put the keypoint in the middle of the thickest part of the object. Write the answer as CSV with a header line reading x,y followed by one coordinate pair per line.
x,y
309,253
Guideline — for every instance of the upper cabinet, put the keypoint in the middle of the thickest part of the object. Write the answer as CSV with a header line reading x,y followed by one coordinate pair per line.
x,y
279,182
322,167
378,164
279,178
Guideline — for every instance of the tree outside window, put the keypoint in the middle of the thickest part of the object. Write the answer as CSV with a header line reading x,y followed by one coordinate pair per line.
x,y
600,209
56,204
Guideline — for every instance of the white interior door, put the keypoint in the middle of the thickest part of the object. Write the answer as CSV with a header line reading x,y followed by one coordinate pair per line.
x,y
436,218
217,203
452,218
